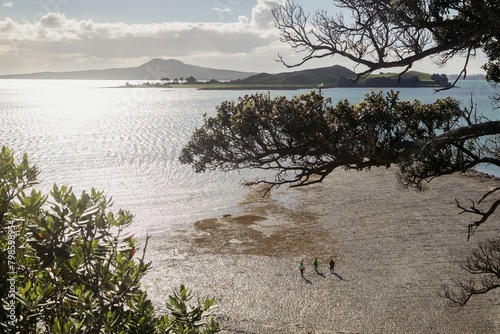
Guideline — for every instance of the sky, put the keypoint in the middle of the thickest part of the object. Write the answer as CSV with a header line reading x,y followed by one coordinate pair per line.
x,y
67,35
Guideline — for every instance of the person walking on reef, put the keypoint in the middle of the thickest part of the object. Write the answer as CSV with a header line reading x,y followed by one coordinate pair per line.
x,y
302,267
332,266
316,263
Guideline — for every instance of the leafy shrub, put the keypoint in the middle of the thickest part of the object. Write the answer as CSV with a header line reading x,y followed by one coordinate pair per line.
x,y
69,268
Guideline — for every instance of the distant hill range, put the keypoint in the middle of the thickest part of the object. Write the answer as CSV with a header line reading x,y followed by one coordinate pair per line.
x,y
328,76
155,69
171,69
339,76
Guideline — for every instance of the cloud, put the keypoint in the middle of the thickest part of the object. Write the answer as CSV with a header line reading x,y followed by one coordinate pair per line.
x,y
54,41
57,27
7,26
222,10
53,20
9,4
262,17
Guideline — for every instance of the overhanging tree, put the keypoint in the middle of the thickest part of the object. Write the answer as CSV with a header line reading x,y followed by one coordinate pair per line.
x,y
395,33
305,138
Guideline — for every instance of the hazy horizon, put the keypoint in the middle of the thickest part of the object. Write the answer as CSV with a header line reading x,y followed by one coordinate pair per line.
x,y
215,69
77,35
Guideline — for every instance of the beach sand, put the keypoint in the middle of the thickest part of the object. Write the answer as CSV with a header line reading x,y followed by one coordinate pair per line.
x,y
394,249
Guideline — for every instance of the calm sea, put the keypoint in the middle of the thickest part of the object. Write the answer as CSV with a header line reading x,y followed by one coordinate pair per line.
x,y
126,142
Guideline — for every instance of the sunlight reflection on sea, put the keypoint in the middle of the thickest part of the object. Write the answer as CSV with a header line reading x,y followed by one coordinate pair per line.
x,y
126,141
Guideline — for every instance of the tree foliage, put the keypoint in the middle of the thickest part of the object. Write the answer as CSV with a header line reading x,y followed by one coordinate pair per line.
x,y
191,80
190,318
307,136
303,139
441,80
68,267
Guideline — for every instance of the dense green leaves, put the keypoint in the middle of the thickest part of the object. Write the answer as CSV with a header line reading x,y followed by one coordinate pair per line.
x,y
15,177
307,135
68,267
187,318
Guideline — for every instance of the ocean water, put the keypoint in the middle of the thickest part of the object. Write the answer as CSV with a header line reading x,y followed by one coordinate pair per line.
x,y
126,142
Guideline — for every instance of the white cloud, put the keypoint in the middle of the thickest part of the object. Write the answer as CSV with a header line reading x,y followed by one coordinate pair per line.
x,y
9,4
222,10
59,39
7,25
53,20
56,27
262,17
56,42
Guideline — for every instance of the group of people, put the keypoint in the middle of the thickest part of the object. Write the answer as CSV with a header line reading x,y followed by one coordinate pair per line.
x,y
316,265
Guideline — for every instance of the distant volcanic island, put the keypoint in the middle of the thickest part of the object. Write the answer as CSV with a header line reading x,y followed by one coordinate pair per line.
x,y
161,73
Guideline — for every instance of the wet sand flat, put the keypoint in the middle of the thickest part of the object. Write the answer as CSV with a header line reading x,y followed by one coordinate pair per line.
x,y
393,248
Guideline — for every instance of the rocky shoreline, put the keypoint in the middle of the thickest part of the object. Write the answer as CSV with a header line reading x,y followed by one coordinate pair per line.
x,y
393,248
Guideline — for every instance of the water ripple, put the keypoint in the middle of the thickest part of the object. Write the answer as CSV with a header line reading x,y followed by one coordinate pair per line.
x,y
123,141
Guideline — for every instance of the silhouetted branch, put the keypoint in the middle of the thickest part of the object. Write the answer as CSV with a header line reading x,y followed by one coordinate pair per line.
x,y
384,34
484,265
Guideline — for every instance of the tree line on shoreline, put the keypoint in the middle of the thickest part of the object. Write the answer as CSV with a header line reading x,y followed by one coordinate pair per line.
x,y
330,77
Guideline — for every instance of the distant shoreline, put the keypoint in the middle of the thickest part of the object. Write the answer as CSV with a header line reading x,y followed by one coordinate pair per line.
x,y
235,86
224,87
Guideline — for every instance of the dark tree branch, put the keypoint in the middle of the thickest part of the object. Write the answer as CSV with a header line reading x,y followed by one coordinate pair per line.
x,y
391,35
462,74
483,214
483,262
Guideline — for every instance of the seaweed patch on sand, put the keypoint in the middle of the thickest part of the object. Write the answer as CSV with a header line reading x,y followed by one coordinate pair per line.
x,y
265,228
